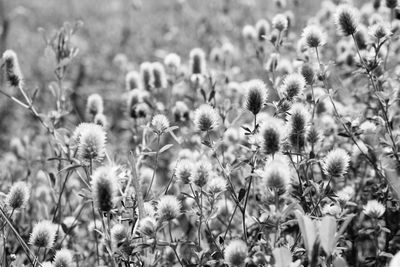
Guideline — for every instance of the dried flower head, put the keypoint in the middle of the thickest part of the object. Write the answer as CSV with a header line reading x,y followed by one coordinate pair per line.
x,y
146,76
314,36
184,170
104,188
147,226
346,20
159,76
119,234
216,185
280,22
256,96
172,61
336,163
132,80
276,174
293,86
308,73
92,141
235,253
201,173
160,123
168,207
12,70
380,30
206,118
18,195
197,61
272,133
63,258
297,125
262,28
249,32
94,104
374,209
43,234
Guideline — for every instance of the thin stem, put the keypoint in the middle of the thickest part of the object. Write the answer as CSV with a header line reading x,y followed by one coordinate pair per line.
x,y
173,245
155,167
245,205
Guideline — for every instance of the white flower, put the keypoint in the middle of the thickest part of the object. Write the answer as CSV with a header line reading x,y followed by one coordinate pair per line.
x,y
374,209
206,118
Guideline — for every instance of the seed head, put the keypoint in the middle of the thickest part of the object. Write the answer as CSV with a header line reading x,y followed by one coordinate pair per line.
x,y
147,226
63,258
313,36
216,185
262,28
160,123
380,30
272,134
346,20
197,61
276,174
336,163
146,75
104,188
18,195
172,61
374,209
235,253
249,32
297,125
168,207
43,234
206,118
12,70
201,173
280,22
308,73
94,104
160,79
293,85
118,234
92,141
184,170
132,80
256,96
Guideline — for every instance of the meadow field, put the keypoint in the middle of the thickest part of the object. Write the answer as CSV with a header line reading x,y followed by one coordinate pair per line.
x,y
200,133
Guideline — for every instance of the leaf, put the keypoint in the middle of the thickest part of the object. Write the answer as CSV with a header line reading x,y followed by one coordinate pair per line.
x,y
392,175
282,256
327,231
339,262
242,193
165,148
308,231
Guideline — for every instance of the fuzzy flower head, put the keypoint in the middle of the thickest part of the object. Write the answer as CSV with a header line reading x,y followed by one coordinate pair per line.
x,y
293,86
313,36
197,61
280,22
272,133
249,32
94,105
118,234
92,142
374,209
160,123
172,61
104,188
276,174
101,120
63,258
392,4
147,226
297,125
336,163
159,76
256,96
235,253
180,111
379,30
308,73
216,185
18,195
262,29
146,76
346,20
201,173
132,80
12,70
168,207
184,170
43,234
206,118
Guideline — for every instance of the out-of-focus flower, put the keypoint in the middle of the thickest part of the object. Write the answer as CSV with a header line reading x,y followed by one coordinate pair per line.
x,y
18,195
168,207
314,36
12,70
104,188
206,118
63,258
235,253
43,234
256,96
